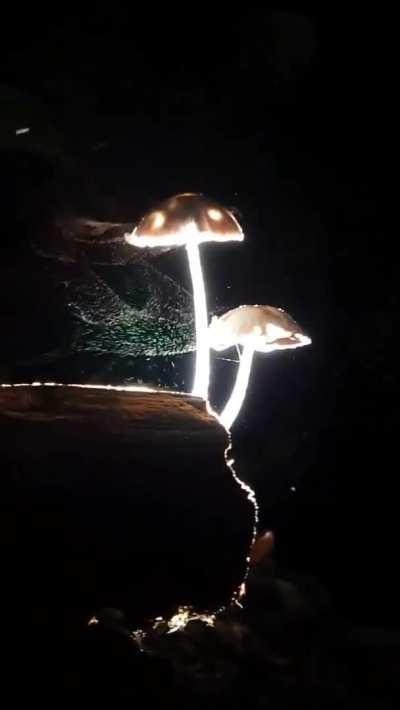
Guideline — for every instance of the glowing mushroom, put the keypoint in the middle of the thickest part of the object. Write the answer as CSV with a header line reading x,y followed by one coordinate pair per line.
x,y
189,220
261,328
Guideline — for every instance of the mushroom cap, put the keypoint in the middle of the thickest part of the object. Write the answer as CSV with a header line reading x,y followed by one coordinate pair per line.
x,y
264,328
169,224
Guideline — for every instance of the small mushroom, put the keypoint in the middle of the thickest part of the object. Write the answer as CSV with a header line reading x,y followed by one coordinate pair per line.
x,y
261,328
189,220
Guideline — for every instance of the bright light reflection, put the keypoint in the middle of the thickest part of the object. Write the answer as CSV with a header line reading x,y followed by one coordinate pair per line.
x,y
179,238
215,214
115,388
159,219
185,614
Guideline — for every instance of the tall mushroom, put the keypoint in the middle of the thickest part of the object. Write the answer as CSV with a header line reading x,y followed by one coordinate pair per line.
x,y
189,220
261,328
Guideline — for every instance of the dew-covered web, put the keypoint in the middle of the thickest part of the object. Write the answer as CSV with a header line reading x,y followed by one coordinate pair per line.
x,y
132,310
90,307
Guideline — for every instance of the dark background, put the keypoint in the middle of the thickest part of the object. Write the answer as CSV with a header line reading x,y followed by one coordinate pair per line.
x,y
283,116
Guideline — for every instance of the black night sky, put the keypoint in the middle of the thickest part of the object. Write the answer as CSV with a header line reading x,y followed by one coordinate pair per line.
x,y
282,116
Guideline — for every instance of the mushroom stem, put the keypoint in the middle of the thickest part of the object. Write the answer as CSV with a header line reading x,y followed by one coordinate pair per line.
x,y
234,404
202,371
